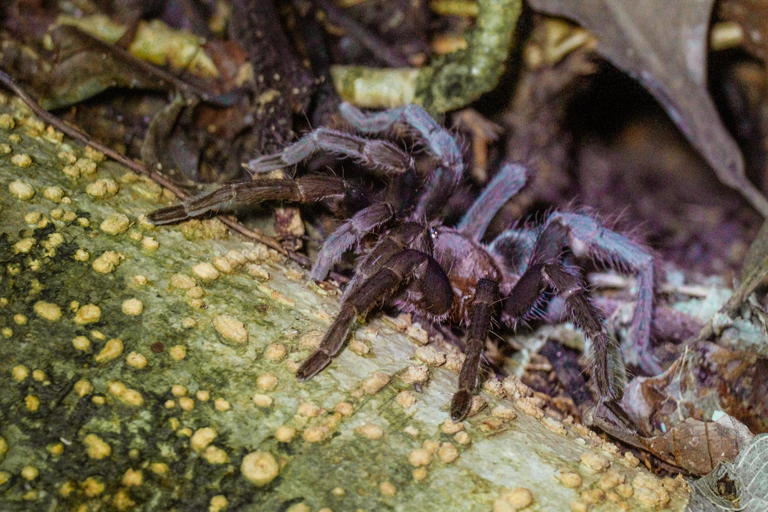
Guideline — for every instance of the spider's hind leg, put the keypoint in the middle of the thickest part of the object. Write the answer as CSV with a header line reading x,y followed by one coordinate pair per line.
x,y
588,236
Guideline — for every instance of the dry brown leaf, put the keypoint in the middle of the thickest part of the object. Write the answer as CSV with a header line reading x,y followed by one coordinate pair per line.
x,y
663,45
699,446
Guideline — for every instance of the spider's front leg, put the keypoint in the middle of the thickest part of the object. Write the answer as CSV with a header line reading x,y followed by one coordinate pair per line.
x,y
301,190
380,287
440,142
481,313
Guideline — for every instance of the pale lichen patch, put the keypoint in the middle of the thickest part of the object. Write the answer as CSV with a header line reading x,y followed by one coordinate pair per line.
x,y
230,328
415,374
83,388
96,447
649,491
267,382
370,431
132,307
24,245
149,243
309,410
405,399
420,457
136,360
177,352
82,255
112,350
570,479
47,310
262,400
512,500
92,486
33,217
595,462
115,224
448,453
430,355
316,434
375,383
100,189
202,438
182,281
260,468
215,455
275,352
55,194
449,427
344,408
133,478
221,405
87,314
21,160
462,438
205,271
417,333
285,433
107,262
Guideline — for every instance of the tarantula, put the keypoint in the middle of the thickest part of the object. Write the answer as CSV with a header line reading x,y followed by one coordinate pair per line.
x,y
445,273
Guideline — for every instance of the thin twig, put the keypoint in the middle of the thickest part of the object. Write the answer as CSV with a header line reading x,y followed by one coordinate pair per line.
x,y
137,167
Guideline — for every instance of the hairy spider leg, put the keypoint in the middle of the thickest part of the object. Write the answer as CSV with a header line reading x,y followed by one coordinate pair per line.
x,y
588,236
301,190
481,312
445,178
546,271
609,385
351,231
507,182
372,154
380,287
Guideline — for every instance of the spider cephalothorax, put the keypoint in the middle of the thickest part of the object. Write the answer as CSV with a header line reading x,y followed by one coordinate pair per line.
x,y
445,273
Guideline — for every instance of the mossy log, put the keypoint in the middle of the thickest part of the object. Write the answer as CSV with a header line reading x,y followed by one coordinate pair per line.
x,y
153,368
